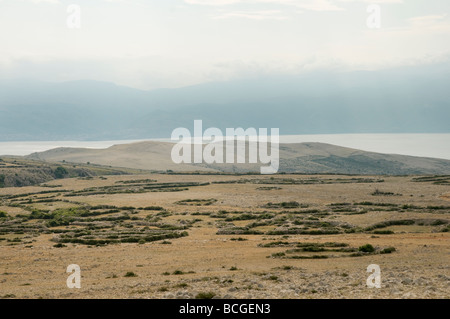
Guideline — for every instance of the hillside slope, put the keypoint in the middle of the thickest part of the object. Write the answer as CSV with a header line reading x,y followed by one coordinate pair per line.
x,y
19,172
294,158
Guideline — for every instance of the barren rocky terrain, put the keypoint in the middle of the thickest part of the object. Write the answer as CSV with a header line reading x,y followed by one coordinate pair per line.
x,y
227,236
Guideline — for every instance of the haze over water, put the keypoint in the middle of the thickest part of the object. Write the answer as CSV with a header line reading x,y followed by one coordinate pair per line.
x,y
425,145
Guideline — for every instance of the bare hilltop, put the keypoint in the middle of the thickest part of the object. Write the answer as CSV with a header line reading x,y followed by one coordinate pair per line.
x,y
308,158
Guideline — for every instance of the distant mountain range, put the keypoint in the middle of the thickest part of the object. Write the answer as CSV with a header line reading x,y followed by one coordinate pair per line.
x,y
402,100
311,158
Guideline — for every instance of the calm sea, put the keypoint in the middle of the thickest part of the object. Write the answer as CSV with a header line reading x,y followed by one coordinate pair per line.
x,y
428,145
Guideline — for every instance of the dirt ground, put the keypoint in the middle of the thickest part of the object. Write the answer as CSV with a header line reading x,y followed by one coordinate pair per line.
x,y
223,253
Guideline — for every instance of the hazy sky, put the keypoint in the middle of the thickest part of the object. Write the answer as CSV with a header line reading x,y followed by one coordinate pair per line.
x,y
170,43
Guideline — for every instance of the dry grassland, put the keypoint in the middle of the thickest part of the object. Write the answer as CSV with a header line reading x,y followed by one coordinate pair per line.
x,y
248,236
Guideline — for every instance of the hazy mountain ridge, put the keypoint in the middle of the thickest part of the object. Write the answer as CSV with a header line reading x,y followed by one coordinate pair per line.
x,y
403,100
294,158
